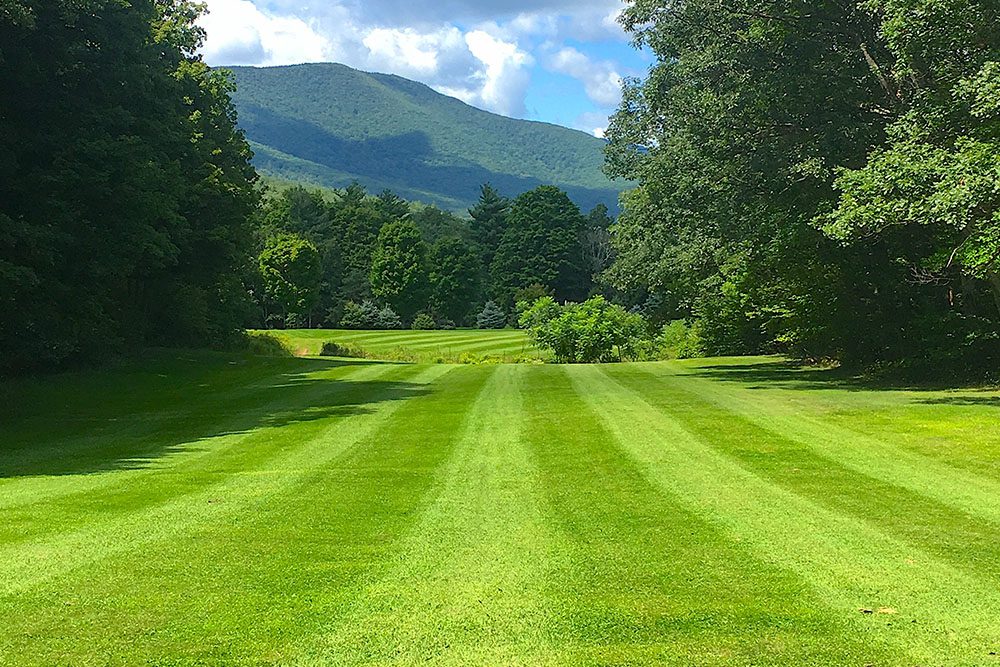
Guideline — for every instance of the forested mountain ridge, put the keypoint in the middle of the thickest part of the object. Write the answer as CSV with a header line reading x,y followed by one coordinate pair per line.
x,y
327,124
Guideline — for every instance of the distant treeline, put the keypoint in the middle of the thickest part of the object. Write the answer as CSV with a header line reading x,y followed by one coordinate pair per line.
x,y
352,260
818,178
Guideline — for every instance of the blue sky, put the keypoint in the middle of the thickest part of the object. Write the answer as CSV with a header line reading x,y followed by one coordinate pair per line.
x,y
558,61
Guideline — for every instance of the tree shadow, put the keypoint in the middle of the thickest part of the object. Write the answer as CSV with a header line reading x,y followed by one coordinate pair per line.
x,y
328,157
790,374
130,418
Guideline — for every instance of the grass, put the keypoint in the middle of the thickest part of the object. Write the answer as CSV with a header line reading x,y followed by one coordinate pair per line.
x,y
424,347
211,509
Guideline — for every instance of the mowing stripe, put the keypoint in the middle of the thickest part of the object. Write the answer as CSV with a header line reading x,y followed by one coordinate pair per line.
x,y
964,539
141,436
467,586
30,563
875,457
647,581
945,616
270,575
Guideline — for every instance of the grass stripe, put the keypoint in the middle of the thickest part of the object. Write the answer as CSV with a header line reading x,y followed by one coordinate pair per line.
x,y
152,440
879,457
29,563
242,586
966,540
945,616
467,585
646,580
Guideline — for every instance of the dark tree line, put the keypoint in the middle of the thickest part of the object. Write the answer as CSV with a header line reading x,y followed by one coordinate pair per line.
x,y
126,190
380,252
817,177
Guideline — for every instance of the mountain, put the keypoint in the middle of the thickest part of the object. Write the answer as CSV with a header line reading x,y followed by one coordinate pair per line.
x,y
328,124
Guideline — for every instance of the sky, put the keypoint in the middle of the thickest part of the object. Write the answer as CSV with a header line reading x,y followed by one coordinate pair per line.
x,y
559,61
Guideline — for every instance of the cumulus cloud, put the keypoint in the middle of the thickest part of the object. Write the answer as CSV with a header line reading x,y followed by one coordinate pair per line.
x,y
477,50
600,79
241,34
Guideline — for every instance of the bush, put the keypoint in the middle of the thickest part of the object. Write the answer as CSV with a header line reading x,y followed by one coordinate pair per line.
x,y
333,349
423,322
368,316
388,319
364,316
679,340
591,332
491,317
264,345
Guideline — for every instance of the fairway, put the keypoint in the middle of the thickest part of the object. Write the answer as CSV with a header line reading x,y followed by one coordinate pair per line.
x,y
419,346
212,509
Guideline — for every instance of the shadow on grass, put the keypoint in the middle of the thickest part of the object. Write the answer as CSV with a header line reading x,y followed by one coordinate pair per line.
x,y
787,374
133,416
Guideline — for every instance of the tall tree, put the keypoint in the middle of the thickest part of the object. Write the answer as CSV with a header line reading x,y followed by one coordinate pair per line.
x,y
736,138
541,244
489,220
399,268
455,279
126,187
291,270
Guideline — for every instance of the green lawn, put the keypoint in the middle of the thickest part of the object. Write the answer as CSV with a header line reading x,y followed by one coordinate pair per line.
x,y
205,509
419,346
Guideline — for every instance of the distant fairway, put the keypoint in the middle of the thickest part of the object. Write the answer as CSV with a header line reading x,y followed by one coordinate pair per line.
x,y
419,346
207,509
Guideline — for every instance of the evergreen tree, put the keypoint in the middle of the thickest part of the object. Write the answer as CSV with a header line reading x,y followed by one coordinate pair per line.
x,y
489,220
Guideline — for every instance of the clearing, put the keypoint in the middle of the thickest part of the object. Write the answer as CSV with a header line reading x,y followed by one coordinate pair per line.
x,y
206,509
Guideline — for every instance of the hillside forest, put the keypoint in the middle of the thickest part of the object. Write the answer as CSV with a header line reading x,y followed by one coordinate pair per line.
x,y
817,179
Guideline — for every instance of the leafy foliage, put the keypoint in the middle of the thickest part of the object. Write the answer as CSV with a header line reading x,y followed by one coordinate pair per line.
x,y
126,187
291,272
399,267
591,332
809,170
541,245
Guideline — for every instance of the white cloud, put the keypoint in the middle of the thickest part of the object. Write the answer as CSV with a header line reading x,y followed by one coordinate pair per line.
x,y
241,34
486,60
594,122
600,78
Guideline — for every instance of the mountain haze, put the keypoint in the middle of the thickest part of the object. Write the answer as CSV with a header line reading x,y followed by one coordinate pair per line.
x,y
328,124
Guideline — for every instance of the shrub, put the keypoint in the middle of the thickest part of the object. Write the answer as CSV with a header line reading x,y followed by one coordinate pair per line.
x,y
491,317
679,340
388,319
264,345
364,316
591,332
423,322
334,349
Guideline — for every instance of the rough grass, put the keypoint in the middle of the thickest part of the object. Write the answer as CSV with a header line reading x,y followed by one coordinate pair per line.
x,y
207,509
461,346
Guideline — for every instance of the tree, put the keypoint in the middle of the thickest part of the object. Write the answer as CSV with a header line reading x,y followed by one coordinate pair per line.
x,y
127,187
489,220
596,241
291,271
399,268
491,316
541,245
455,279
736,139
591,332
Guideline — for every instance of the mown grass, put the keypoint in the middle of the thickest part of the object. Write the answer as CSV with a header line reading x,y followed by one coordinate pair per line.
x,y
211,509
460,346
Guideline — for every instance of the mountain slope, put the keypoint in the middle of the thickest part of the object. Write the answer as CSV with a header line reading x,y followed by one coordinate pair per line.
x,y
329,124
